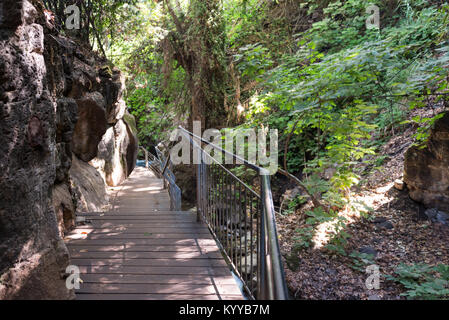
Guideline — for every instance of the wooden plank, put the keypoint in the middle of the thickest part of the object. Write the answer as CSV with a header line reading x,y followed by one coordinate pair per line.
x,y
157,279
147,207
174,296
146,228
143,235
143,255
152,218
148,242
200,262
136,288
139,213
146,223
135,224
124,248
118,269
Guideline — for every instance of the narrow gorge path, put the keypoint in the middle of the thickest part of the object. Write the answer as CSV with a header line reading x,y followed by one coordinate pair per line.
x,y
142,250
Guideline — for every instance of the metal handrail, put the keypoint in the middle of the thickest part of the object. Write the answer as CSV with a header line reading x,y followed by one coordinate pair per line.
x,y
161,166
213,182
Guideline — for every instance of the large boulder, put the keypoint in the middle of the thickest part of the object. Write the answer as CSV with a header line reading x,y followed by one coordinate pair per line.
x,y
131,147
117,151
32,254
427,170
64,206
90,127
89,187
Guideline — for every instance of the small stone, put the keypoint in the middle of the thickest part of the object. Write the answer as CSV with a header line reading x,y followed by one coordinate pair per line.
x,y
368,250
384,225
399,184
331,271
374,297
431,213
437,216
379,219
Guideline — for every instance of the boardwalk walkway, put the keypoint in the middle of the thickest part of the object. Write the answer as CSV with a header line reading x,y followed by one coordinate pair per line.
x,y
141,250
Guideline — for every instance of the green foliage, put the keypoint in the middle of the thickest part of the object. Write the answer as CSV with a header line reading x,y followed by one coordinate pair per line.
x,y
423,132
304,238
361,260
295,203
318,215
423,281
342,26
154,122
339,237
253,60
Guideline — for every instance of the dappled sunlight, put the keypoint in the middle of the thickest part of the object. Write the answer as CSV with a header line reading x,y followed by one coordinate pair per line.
x,y
363,202
79,234
154,190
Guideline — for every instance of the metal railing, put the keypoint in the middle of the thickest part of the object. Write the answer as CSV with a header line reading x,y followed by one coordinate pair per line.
x,y
162,167
241,220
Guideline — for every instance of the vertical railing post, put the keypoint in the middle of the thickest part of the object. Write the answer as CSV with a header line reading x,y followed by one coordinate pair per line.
x,y
199,190
147,165
261,261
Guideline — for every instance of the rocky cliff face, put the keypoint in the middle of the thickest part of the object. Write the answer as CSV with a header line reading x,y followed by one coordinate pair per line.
x,y
35,136
57,102
427,170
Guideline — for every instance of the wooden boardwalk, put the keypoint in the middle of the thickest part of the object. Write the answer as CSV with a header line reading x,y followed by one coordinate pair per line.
x,y
142,250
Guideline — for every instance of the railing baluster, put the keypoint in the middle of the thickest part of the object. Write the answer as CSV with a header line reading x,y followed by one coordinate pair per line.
x,y
222,206
259,251
198,190
252,245
246,237
240,227
215,197
228,209
236,216
208,190
231,217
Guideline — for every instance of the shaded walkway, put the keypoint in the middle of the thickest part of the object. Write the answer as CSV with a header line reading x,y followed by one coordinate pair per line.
x,y
141,250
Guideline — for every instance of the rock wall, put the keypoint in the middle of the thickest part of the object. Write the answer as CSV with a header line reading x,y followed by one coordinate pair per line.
x,y
59,104
34,142
427,170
